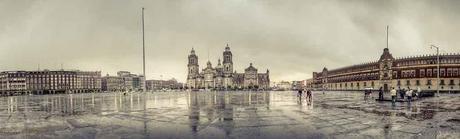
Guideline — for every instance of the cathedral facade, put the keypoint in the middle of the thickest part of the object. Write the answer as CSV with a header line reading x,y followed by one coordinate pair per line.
x,y
222,76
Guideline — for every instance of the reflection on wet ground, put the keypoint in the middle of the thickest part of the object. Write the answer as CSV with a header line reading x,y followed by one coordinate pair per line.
x,y
226,115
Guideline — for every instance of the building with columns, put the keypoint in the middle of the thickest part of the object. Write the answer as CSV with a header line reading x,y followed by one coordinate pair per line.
x,y
223,76
408,72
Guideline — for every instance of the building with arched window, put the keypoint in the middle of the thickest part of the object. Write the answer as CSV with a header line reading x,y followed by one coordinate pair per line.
x,y
408,72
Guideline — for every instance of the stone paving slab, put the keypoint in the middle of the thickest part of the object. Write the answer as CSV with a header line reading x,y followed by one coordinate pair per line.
x,y
225,115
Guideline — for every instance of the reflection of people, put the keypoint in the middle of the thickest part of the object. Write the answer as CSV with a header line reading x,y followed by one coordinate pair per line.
x,y
393,95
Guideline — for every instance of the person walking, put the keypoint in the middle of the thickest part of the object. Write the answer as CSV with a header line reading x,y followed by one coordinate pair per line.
x,y
309,97
402,92
393,96
366,94
299,94
419,91
381,93
409,95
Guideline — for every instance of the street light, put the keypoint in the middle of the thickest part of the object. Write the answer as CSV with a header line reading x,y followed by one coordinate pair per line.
x,y
437,55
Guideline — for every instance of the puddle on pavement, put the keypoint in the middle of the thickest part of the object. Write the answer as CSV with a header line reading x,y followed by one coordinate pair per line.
x,y
200,108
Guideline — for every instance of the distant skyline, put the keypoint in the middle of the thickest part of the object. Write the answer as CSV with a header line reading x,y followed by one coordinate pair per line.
x,y
290,38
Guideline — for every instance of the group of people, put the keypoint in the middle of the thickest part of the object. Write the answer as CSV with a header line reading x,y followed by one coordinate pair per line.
x,y
308,97
409,94
404,94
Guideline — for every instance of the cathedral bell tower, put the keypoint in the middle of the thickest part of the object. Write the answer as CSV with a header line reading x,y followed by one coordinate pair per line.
x,y
227,68
228,62
193,67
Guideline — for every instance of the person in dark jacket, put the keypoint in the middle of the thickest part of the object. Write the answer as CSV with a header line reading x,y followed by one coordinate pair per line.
x,y
299,93
381,93
309,97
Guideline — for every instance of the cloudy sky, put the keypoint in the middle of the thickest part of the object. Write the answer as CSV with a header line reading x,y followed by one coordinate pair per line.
x,y
291,38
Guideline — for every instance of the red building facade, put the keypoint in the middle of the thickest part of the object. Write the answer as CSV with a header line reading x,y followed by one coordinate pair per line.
x,y
388,72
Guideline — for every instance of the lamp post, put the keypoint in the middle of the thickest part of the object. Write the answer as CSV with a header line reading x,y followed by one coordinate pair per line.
x,y
437,55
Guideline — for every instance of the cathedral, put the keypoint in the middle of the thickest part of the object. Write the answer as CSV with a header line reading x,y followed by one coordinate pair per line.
x,y
222,76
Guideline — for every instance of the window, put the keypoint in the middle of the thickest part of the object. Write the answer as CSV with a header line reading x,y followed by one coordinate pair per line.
x,y
449,72
455,72
429,73
422,73
442,82
451,82
417,82
408,82
399,82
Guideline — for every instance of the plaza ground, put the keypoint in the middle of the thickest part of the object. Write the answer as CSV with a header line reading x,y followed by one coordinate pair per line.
x,y
226,115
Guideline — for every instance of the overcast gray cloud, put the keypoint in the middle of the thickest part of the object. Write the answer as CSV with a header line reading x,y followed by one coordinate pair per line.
x,y
291,38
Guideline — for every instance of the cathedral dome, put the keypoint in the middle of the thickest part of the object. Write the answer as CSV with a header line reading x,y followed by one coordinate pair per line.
x,y
250,68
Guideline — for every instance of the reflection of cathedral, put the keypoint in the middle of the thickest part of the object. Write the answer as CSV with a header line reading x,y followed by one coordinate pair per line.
x,y
225,110
223,76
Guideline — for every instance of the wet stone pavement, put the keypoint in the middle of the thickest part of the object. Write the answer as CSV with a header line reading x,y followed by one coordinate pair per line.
x,y
226,115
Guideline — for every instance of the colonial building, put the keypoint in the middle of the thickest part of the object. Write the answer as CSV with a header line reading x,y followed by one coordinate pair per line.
x,y
49,82
282,86
388,72
112,83
124,81
163,84
222,76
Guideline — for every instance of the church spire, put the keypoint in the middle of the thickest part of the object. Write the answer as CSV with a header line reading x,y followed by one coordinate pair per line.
x,y
192,51
227,48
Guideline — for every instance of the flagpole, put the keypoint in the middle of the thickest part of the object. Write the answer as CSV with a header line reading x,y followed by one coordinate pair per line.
x,y
143,51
